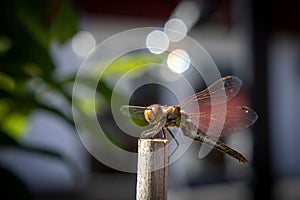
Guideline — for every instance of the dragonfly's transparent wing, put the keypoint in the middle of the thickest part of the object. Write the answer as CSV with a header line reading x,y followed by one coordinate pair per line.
x,y
134,111
236,120
155,129
138,113
229,84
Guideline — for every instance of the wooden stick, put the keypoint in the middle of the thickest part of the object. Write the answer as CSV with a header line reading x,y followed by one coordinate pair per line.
x,y
152,169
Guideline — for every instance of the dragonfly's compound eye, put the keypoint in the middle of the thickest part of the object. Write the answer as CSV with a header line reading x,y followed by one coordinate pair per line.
x,y
153,113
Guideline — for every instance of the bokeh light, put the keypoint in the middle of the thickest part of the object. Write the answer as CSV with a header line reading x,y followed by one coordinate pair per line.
x,y
178,61
175,29
157,42
83,43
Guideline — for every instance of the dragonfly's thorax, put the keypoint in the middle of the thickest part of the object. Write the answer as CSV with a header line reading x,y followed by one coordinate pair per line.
x,y
173,114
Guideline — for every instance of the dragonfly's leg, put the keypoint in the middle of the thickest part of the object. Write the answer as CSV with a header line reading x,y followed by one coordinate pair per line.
x,y
172,135
165,135
148,134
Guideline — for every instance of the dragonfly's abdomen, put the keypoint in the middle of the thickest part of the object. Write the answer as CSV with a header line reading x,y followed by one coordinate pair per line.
x,y
190,130
221,147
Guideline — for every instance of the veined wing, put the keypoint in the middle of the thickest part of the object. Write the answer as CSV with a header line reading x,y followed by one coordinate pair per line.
x,y
229,84
134,111
236,119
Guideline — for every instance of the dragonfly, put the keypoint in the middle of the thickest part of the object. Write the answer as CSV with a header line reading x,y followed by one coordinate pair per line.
x,y
195,124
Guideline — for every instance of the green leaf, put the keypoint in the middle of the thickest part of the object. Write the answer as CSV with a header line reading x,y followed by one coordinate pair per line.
x,y
6,82
5,140
48,20
65,23
5,44
15,125
139,62
32,14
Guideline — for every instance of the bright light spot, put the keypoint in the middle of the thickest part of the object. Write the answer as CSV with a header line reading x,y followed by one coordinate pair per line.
x,y
178,61
157,42
83,43
175,29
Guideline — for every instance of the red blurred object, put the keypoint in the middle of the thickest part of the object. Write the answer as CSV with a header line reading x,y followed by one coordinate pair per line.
x,y
160,9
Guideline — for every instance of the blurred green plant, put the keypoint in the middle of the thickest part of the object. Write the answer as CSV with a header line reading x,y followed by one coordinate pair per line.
x,y
27,29
27,70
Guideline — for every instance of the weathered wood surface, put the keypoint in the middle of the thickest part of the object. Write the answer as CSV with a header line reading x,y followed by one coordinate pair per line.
x,y
152,169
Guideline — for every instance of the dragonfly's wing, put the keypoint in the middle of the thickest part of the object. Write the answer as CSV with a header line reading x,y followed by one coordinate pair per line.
x,y
133,111
138,112
229,84
236,120
155,129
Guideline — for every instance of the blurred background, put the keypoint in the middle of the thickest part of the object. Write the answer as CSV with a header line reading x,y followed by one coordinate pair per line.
x,y
42,45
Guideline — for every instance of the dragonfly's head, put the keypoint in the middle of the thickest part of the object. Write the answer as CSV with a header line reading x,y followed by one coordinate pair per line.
x,y
153,113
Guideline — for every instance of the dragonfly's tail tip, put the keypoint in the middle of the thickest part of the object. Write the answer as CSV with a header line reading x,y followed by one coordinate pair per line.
x,y
243,160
